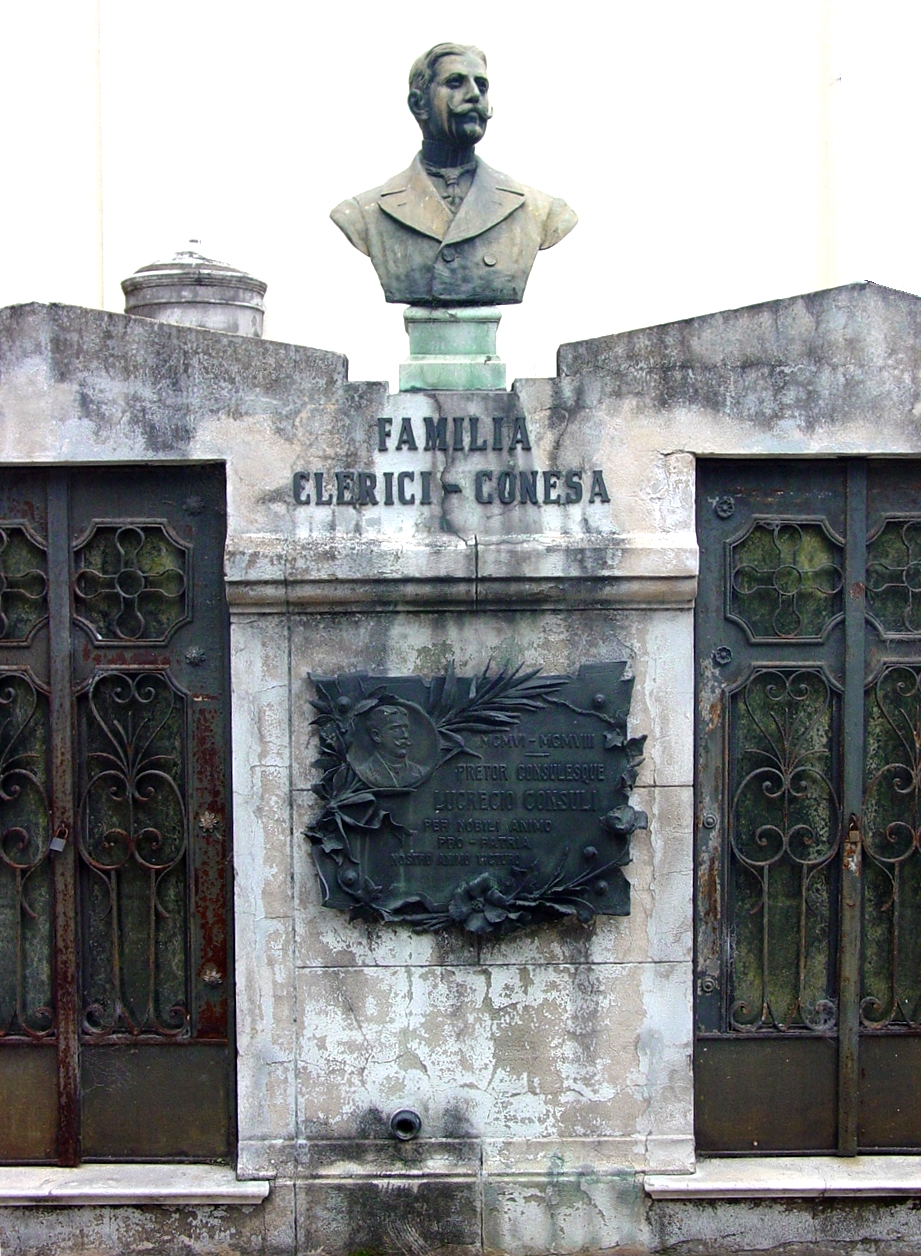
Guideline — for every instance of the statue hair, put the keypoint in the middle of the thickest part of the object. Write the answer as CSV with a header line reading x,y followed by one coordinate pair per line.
x,y
423,71
379,715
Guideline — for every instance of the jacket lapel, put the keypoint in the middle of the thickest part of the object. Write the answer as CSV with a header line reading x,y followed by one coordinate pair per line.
x,y
492,197
411,199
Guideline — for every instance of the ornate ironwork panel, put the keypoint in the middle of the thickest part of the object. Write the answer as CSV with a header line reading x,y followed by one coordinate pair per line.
x,y
134,843
891,986
809,805
785,579
114,819
894,577
26,941
132,581
784,831
23,583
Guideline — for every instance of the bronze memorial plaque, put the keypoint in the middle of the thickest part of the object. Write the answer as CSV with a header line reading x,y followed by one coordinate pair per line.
x,y
489,802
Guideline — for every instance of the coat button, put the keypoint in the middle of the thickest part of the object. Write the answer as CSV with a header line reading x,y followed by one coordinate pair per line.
x,y
489,259
448,255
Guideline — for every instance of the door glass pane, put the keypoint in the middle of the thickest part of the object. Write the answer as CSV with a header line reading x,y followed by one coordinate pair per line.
x,y
26,934
894,577
133,843
23,583
891,989
130,582
786,580
784,834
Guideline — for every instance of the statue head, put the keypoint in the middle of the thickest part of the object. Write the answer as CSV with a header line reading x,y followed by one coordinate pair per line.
x,y
448,94
388,728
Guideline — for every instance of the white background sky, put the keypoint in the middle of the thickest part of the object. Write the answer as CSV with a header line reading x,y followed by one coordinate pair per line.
x,y
718,152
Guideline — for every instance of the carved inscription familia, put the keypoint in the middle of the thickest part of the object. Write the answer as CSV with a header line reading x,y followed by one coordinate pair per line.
x,y
488,802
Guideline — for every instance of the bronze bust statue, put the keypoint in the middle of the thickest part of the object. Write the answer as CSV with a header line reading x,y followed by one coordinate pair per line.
x,y
450,230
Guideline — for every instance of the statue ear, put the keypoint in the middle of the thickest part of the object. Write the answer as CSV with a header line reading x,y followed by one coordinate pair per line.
x,y
418,104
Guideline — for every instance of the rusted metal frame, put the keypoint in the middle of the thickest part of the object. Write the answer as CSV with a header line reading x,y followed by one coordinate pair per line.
x,y
150,1014
896,926
19,1018
711,759
120,1011
804,877
193,924
60,612
767,1015
852,797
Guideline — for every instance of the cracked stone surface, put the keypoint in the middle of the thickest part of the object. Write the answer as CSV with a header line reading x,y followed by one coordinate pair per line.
x,y
552,1070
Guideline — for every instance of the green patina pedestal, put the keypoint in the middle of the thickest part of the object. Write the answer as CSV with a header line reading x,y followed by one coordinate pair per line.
x,y
452,348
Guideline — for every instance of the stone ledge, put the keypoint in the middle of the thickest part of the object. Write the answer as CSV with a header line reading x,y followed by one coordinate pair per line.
x,y
542,1159
754,1177
381,1158
105,1184
266,574
573,1157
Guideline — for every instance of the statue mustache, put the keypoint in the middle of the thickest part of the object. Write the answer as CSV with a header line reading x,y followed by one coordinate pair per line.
x,y
483,112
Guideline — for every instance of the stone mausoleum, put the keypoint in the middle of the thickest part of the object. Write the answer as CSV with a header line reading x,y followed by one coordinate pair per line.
x,y
624,954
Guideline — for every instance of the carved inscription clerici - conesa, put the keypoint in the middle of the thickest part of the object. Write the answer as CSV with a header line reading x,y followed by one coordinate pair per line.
x,y
500,484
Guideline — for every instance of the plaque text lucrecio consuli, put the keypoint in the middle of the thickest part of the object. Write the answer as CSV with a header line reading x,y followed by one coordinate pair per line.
x,y
352,486
487,802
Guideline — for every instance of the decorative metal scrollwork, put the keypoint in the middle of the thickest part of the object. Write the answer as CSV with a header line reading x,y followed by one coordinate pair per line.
x,y
26,943
23,584
133,838
892,848
786,580
783,837
894,577
132,582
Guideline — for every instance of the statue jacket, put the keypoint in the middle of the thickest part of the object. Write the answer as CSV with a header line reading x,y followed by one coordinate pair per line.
x,y
481,255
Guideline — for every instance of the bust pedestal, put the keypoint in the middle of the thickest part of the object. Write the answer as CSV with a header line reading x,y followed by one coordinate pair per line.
x,y
452,348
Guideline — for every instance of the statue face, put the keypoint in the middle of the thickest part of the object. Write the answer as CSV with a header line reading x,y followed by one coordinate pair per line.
x,y
392,737
458,104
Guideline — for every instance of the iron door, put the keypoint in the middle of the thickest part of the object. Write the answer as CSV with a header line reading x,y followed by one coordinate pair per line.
x,y
808,935
115,984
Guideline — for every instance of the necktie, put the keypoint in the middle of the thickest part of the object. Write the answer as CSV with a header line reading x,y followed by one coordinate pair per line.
x,y
451,175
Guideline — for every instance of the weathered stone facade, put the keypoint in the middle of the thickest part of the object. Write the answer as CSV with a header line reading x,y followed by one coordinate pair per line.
x,y
551,1069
